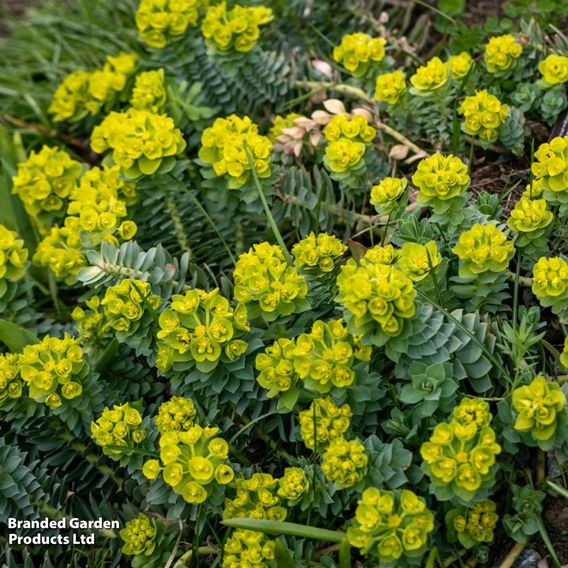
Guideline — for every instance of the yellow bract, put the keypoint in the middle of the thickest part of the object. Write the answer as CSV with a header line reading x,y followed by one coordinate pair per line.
x,y
345,462
149,92
501,53
390,87
358,51
11,387
320,252
440,178
385,195
13,255
175,415
484,114
120,426
530,215
139,536
294,484
550,277
551,164
430,77
554,69
323,421
417,260
248,548
236,29
460,64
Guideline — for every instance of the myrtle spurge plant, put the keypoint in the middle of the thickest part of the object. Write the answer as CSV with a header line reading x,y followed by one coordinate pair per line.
x,y
257,498
393,526
141,142
53,370
248,548
236,29
267,284
233,147
119,427
192,463
200,328
274,290
324,422
359,53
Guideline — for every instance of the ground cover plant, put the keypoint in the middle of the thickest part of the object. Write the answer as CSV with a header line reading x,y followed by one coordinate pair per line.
x,y
285,284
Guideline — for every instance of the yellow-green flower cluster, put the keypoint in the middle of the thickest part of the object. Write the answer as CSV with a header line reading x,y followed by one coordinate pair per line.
x,y
13,256
100,208
124,304
293,485
564,354
530,215
256,498
534,190
149,91
538,406
417,261
193,462
90,92
237,29
323,422
267,283
460,65
197,329
45,180
176,415
60,251
120,426
390,87
551,164
324,358
224,145
281,123
550,282
276,366
474,525
248,548
142,142
162,21
53,369
386,194
460,455
554,70
483,115
440,178
345,462
483,248
11,386
139,536
357,52
320,253
379,293
391,525
430,77
386,254
501,53
347,138
91,323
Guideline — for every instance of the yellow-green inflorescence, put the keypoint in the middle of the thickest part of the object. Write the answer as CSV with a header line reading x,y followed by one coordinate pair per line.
x,y
276,366
460,65
319,253
347,139
176,415
11,385
323,422
293,485
84,93
345,462
119,426
139,536
418,260
564,354
390,87
256,498
141,142
472,525
377,297
460,455
391,525
233,147
483,248
162,21
386,195
550,283
237,29
430,77
530,215
193,463
440,178
13,258
554,70
538,406
199,328
149,91
359,52
54,370
502,53
267,284
45,181
551,166
483,116
246,548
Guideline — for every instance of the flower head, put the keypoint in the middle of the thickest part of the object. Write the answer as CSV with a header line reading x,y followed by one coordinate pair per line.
x,y
176,415
357,52
460,65
554,70
345,462
11,386
248,548
139,536
13,256
530,215
474,525
501,53
551,164
390,87
484,114
323,422
385,195
430,77
294,484
149,92
440,178
320,253
550,278
417,260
